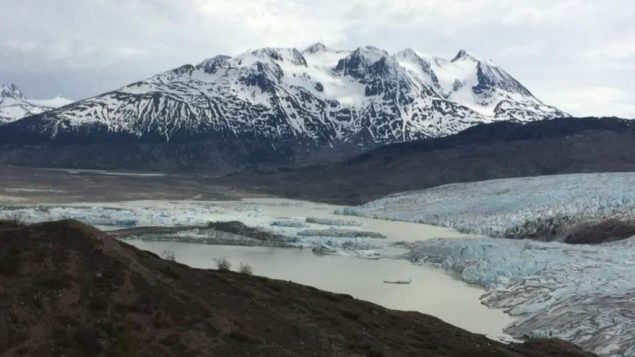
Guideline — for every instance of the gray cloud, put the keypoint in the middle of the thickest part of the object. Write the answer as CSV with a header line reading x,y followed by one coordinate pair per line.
x,y
576,54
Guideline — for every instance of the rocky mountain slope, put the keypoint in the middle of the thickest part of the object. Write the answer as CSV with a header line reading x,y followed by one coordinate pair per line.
x,y
69,289
319,95
488,151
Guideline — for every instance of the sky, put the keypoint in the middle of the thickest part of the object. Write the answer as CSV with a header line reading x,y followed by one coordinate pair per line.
x,y
578,55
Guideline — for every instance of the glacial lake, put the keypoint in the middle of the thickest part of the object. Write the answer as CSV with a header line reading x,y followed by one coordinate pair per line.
x,y
432,290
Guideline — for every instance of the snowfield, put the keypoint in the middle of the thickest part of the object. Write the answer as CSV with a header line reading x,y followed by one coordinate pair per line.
x,y
580,293
512,208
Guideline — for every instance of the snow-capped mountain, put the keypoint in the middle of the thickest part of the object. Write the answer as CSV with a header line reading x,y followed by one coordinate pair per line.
x,y
14,105
318,95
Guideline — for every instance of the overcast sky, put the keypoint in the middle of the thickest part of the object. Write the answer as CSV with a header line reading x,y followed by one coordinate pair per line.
x,y
575,54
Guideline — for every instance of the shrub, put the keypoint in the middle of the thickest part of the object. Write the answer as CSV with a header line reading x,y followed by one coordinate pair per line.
x,y
246,269
127,341
223,264
168,255
16,219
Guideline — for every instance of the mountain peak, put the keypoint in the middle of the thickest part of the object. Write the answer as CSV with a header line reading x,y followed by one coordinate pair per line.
x,y
463,55
275,54
371,49
210,65
11,91
267,52
316,47
370,53
14,105
407,53
359,62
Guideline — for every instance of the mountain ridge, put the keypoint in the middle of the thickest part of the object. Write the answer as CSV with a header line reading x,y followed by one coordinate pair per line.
x,y
321,95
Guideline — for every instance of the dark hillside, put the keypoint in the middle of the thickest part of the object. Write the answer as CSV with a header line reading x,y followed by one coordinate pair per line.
x,y
484,152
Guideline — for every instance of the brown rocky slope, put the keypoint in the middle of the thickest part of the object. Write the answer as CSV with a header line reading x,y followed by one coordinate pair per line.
x,y
69,289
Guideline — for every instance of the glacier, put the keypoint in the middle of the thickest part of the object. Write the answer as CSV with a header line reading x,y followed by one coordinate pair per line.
x,y
580,293
304,226
512,208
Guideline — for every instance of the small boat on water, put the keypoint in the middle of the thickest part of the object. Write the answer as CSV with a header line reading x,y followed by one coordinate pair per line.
x,y
402,282
324,249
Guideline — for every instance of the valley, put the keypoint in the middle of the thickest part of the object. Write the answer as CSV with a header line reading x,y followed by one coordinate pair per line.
x,y
520,287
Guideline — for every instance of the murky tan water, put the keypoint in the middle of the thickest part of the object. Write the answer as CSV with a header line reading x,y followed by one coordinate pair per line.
x,y
432,291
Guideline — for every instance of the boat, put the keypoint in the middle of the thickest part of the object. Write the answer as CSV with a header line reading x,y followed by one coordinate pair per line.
x,y
402,282
324,249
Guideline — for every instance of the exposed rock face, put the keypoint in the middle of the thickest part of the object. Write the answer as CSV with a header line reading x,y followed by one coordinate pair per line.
x,y
599,231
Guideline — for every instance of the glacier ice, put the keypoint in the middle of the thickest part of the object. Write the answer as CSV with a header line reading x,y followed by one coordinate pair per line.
x,y
303,230
581,293
512,208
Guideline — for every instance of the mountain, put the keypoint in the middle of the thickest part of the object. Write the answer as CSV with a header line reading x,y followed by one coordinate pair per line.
x,y
69,289
319,95
272,107
14,105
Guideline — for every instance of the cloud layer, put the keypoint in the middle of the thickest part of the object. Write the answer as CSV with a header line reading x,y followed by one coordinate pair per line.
x,y
575,54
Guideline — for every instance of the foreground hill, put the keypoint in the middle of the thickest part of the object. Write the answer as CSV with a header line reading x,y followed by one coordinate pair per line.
x,y
69,289
489,151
